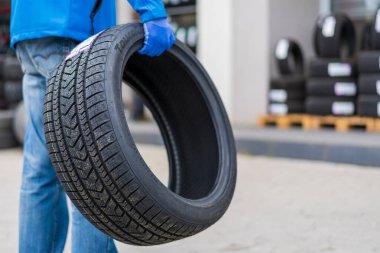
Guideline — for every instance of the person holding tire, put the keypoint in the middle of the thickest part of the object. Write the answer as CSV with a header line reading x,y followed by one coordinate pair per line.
x,y
42,34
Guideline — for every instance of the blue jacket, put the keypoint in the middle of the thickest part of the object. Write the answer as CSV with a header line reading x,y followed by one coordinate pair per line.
x,y
31,19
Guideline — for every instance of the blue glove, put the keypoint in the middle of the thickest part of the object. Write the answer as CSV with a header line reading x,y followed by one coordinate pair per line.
x,y
159,37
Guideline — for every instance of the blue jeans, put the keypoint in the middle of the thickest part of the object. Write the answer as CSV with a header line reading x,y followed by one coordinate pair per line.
x,y
44,215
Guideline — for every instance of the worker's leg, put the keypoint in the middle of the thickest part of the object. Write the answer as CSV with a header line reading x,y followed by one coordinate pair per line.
x,y
87,239
43,209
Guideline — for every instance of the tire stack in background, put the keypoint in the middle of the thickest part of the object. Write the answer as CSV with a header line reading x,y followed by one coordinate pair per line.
x,y
286,94
10,98
13,95
12,78
369,71
7,138
332,84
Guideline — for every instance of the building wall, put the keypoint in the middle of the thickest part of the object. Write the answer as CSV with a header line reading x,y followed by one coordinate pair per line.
x,y
215,49
233,46
251,61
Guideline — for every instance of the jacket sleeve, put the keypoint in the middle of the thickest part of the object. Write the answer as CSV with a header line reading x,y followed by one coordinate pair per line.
x,y
148,9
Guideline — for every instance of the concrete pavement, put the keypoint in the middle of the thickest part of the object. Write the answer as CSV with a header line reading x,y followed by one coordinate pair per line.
x,y
280,206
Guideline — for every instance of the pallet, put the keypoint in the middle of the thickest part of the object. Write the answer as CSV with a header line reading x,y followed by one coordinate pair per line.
x,y
313,122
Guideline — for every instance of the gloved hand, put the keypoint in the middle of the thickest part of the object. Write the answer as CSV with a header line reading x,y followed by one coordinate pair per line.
x,y
159,37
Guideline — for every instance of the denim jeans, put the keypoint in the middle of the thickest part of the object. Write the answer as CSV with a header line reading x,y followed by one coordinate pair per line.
x,y
44,218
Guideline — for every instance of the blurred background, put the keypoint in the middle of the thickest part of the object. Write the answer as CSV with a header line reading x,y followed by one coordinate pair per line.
x,y
306,119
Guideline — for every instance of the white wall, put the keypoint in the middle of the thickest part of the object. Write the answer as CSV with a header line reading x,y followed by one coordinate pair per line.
x,y
233,46
215,22
251,61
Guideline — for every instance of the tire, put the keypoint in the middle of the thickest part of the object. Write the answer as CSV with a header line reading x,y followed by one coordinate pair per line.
x,y
340,87
7,139
96,158
368,62
2,60
317,30
12,69
289,57
330,106
286,108
334,34
293,82
3,104
282,96
13,91
332,68
369,106
369,84
6,119
2,90
19,123
366,37
376,31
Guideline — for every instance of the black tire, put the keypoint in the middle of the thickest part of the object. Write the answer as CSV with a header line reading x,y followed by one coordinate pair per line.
x,y
296,106
330,106
340,87
96,158
2,60
368,62
13,91
6,119
317,30
7,139
376,31
334,35
332,68
369,106
293,82
369,84
366,37
19,123
282,95
12,69
3,104
289,57
2,90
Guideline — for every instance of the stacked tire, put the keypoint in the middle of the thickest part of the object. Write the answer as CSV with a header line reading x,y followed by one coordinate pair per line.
x,y
10,81
12,78
369,72
7,138
287,93
332,84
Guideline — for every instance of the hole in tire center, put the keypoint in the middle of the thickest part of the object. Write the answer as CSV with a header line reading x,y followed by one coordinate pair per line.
x,y
292,64
172,90
146,133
